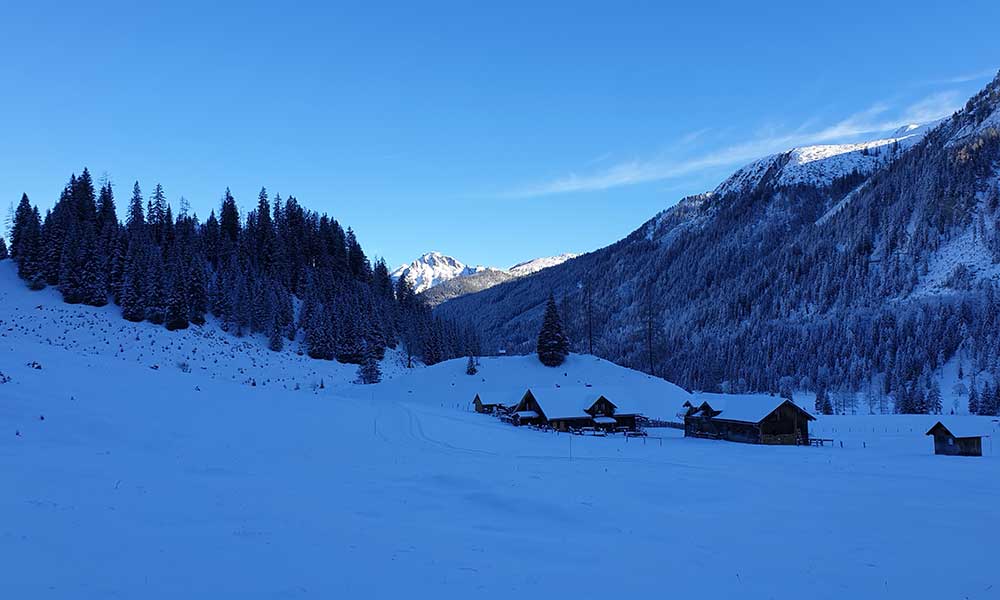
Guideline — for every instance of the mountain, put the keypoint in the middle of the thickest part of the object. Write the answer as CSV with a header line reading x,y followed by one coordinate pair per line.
x,y
431,269
438,278
867,267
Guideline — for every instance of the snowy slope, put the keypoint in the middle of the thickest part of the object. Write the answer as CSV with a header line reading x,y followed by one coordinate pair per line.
x,y
120,480
504,379
537,264
207,351
821,165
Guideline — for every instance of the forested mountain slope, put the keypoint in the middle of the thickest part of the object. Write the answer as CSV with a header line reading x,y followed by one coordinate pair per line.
x,y
864,277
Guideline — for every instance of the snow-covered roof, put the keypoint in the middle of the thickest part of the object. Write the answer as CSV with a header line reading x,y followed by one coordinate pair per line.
x,y
751,408
526,414
565,402
963,428
605,420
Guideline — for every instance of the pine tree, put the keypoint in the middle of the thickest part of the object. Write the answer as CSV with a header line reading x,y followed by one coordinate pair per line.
x,y
470,366
934,398
3,249
973,399
319,334
552,345
19,230
821,401
133,292
178,307
989,400
369,371
276,341
156,287
197,280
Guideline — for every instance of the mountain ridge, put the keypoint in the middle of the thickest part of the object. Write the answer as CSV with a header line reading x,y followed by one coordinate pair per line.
x,y
450,277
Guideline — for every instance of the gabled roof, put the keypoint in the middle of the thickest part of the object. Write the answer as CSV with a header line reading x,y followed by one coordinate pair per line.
x,y
748,408
962,428
565,402
485,403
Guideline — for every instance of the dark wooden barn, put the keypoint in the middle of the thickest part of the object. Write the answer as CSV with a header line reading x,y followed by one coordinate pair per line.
x,y
752,419
956,440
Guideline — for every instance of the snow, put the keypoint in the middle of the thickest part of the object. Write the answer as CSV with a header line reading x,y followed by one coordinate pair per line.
x,y
820,165
740,407
171,483
434,268
962,428
537,264
968,248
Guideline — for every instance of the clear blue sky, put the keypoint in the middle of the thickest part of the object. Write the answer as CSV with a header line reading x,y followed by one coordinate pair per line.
x,y
494,132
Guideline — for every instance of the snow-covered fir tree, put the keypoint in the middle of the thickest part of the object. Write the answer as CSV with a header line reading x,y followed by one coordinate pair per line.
x,y
552,345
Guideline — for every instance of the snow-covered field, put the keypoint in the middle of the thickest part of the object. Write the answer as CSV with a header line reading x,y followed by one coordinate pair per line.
x,y
120,480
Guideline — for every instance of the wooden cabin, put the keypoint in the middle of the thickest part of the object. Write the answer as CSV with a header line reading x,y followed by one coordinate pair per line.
x,y
955,439
566,408
747,418
486,408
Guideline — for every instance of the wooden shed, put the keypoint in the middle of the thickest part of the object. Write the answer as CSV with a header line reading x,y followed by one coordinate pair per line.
x,y
486,408
748,418
955,439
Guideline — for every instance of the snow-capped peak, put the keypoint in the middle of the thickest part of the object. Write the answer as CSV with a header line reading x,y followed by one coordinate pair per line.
x,y
433,268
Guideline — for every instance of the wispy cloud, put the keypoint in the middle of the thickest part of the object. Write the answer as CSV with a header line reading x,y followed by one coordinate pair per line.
x,y
964,78
875,119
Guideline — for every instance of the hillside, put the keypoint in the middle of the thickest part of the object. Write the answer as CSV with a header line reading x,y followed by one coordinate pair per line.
x,y
124,480
869,274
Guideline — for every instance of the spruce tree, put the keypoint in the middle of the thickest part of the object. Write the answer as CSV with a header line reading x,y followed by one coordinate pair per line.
x,y
552,344
197,280
934,398
178,308
3,249
821,401
133,292
973,399
470,366
156,287
19,230
276,341
369,371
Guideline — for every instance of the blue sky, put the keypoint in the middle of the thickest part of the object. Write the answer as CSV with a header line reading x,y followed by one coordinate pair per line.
x,y
494,132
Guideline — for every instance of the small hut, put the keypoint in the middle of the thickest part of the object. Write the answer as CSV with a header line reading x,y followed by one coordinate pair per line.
x,y
752,419
485,407
956,439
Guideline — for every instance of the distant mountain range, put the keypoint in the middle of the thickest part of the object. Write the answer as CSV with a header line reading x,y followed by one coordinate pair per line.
x,y
866,266
438,277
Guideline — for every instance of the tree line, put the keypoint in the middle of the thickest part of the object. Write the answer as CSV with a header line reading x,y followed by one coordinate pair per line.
x,y
281,271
